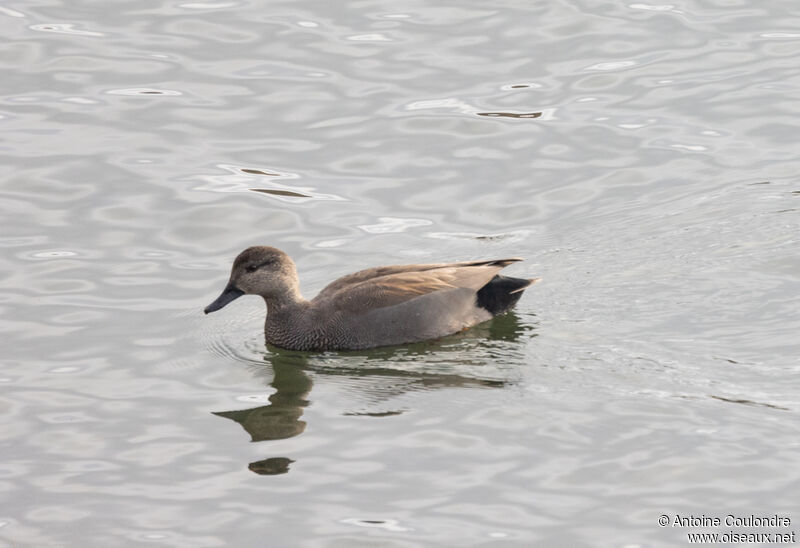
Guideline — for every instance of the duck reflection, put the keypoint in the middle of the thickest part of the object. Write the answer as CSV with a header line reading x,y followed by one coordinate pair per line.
x,y
281,418
381,370
271,466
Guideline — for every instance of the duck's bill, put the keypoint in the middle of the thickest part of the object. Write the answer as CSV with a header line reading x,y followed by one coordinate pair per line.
x,y
230,293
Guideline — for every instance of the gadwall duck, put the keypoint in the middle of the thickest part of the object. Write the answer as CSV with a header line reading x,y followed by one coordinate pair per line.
x,y
381,306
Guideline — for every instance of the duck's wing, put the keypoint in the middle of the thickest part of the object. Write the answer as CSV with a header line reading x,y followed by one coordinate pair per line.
x,y
385,286
382,271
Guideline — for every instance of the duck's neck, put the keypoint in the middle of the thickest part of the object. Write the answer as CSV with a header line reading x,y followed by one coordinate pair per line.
x,y
287,301
288,323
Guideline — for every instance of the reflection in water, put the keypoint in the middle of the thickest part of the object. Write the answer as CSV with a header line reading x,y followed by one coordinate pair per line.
x,y
271,467
279,419
259,172
279,192
292,382
750,402
508,328
373,414
510,114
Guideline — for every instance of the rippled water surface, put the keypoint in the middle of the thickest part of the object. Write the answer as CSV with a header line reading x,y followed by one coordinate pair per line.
x,y
643,157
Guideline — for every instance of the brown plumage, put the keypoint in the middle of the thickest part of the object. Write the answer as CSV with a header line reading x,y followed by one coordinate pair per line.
x,y
380,306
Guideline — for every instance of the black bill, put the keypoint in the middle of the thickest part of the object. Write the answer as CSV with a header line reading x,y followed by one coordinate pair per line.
x,y
230,293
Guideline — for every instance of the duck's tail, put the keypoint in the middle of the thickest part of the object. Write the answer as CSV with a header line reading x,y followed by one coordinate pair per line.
x,y
502,293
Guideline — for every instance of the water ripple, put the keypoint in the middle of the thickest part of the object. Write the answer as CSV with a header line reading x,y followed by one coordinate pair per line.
x,y
64,28
143,91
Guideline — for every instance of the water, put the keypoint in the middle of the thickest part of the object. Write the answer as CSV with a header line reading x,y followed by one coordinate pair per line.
x,y
643,157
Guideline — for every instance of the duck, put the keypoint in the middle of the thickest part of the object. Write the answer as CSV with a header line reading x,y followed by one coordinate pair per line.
x,y
380,306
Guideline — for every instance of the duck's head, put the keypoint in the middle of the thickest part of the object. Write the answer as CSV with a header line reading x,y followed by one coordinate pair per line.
x,y
260,270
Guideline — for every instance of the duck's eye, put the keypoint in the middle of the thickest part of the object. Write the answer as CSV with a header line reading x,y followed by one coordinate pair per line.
x,y
252,267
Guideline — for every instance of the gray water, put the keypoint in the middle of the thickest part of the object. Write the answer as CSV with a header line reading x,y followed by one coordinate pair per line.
x,y
642,157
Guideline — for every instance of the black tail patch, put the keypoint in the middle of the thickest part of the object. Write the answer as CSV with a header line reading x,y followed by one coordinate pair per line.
x,y
501,293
